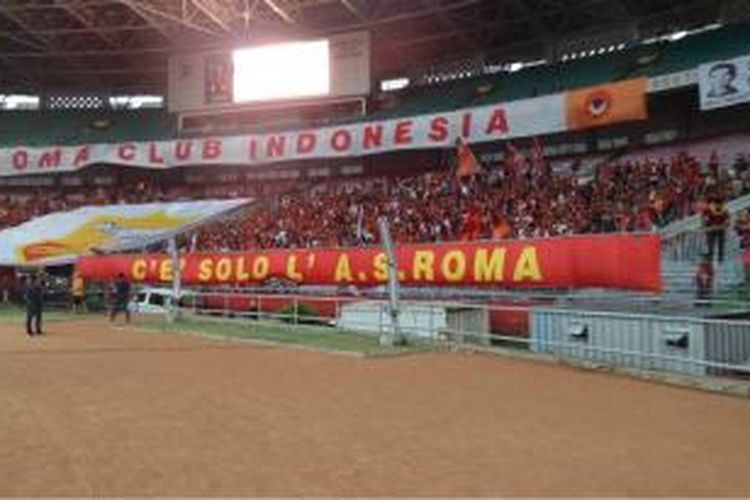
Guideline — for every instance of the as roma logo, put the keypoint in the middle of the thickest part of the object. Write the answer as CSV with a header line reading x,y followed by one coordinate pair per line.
x,y
44,250
598,104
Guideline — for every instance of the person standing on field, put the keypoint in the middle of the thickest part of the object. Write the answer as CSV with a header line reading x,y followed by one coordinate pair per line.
x,y
78,291
121,298
34,297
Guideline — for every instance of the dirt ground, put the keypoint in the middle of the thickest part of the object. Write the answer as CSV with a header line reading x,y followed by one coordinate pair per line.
x,y
92,409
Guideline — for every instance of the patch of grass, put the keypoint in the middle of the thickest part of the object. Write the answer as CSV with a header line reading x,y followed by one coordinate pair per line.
x,y
734,299
319,337
10,312
15,313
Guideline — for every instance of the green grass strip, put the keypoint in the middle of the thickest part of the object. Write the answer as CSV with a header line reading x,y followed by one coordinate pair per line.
x,y
735,299
323,338
14,314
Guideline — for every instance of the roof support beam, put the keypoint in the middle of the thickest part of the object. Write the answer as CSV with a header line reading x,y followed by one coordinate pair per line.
x,y
82,72
74,11
536,24
274,6
24,25
146,10
404,16
349,5
210,12
452,24
19,39
135,8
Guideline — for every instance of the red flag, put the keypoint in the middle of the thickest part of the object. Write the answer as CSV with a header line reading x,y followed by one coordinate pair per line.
x,y
537,157
467,162
472,227
537,153
513,157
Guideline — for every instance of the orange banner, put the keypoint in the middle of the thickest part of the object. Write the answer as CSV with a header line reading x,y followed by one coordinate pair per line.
x,y
606,104
612,261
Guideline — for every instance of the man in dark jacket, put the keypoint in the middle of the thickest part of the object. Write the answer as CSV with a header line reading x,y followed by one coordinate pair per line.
x,y
34,296
121,298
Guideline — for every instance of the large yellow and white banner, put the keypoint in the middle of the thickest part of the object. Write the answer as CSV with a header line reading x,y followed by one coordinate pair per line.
x,y
62,237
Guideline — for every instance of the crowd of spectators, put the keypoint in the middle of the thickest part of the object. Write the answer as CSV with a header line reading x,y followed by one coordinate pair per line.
x,y
15,210
503,201
508,200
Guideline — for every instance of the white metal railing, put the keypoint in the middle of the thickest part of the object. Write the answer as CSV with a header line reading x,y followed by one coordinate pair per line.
x,y
690,244
677,340
694,223
685,239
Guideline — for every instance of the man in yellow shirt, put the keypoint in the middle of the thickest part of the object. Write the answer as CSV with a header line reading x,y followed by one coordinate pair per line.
x,y
78,290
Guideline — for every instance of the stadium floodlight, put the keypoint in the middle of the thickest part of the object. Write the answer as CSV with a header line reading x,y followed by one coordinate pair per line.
x,y
136,101
677,35
394,84
28,102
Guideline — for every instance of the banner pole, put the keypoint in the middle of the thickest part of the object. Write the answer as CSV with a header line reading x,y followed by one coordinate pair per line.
x,y
394,333
173,311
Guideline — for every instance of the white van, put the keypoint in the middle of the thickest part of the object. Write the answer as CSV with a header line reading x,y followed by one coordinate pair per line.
x,y
151,300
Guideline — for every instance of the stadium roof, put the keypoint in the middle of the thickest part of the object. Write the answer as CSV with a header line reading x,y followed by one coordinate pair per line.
x,y
123,45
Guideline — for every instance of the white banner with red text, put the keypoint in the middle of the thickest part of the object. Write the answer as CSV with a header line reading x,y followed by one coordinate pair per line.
x,y
487,123
591,107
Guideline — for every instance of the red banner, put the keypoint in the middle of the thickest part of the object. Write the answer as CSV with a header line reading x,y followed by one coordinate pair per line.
x,y
612,261
607,104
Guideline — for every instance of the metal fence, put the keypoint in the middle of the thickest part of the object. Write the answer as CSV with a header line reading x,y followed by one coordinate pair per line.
x,y
691,245
687,340
688,245
694,222
718,346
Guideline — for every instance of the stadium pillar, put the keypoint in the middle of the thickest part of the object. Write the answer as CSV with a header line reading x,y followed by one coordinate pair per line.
x,y
394,332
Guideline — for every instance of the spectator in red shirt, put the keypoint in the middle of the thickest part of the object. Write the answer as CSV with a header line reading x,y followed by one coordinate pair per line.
x,y
704,279
713,164
501,229
715,222
742,228
473,225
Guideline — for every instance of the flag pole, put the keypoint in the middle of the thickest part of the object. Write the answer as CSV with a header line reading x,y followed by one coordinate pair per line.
x,y
393,334
173,312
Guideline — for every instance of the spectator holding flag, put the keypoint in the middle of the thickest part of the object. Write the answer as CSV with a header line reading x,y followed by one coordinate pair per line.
x,y
468,165
538,160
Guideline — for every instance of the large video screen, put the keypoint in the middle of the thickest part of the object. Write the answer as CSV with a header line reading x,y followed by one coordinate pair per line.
x,y
270,75
283,71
